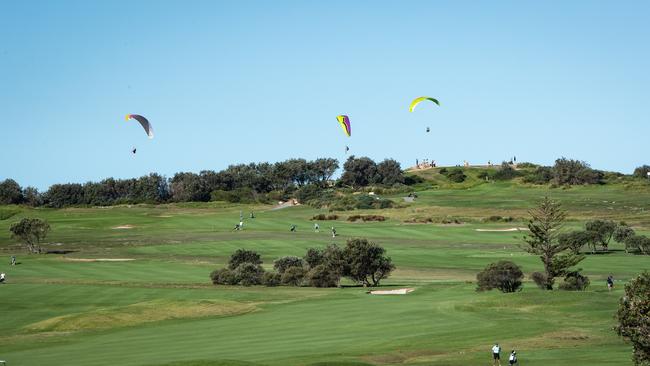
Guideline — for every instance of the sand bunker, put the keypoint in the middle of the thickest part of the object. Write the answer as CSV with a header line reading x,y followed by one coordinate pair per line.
x,y
123,227
503,230
99,259
399,291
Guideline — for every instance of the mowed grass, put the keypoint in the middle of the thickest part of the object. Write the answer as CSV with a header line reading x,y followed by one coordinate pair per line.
x,y
159,307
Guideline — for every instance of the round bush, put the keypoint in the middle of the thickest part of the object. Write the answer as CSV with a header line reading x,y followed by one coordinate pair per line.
x,y
293,276
575,281
503,275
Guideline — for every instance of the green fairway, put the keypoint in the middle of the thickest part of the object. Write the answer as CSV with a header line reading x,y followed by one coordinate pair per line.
x,y
130,286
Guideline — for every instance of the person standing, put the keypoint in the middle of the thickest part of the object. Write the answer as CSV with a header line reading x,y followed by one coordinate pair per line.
x,y
2,277
316,227
13,260
333,232
512,360
496,355
610,282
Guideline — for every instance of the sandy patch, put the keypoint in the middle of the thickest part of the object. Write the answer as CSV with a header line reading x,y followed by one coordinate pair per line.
x,y
164,216
504,230
399,291
121,227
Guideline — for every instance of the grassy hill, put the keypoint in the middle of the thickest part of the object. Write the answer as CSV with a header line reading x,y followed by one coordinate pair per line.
x,y
129,285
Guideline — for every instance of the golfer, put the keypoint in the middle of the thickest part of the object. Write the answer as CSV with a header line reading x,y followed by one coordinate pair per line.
x,y
2,277
512,360
496,354
316,227
610,282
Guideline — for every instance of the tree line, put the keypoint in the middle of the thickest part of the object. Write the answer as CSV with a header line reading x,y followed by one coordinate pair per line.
x,y
237,183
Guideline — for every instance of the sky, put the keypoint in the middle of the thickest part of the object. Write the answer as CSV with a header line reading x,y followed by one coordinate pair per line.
x,y
228,82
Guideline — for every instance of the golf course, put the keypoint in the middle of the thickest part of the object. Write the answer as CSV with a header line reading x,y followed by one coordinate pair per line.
x,y
324,183
129,284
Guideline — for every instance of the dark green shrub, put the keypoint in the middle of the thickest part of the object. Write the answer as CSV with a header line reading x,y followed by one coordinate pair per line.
x,y
293,276
540,280
323,276
575,281
456,175
283,263
323,217
224,276
410,180
505,276
244,256
249,274
541,175
271,279
313,257
365,218
506,172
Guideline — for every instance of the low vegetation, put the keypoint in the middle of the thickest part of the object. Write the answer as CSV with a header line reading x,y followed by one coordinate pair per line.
x,y
361,261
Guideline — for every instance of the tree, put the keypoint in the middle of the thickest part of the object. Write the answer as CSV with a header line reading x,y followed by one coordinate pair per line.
x,y
10,192
601,231
389,172
283,263
638,243
545,223
503,275
32,197
634,317
359,172
324,169
31,232
365,262
244,256
642,171
622,233
188,187
61,195
575,240
573,172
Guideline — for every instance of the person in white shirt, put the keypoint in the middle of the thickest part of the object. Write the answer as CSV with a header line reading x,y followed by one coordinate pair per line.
x,y
512,360
316,227
2,277
496,354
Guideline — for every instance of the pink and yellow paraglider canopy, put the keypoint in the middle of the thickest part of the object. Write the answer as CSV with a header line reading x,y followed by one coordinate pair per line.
x,y
143,122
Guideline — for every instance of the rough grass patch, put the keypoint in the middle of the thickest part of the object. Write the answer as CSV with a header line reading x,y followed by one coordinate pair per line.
x,y
324,217
7,213
365,218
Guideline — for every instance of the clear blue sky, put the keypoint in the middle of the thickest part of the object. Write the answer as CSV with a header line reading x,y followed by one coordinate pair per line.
x,y
232,82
